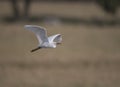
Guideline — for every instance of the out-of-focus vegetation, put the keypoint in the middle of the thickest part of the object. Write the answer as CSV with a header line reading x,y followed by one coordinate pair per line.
x,y
109,6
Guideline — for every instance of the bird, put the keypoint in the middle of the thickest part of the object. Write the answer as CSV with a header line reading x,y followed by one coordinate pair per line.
x,y
43,39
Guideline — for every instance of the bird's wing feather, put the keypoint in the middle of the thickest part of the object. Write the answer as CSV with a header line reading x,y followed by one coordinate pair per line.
x,y
39,31
55,38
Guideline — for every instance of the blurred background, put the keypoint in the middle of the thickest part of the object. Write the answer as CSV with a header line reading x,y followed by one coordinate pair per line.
x,y
89,55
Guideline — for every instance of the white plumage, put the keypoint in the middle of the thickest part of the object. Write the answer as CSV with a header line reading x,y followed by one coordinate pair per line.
x,y
44,41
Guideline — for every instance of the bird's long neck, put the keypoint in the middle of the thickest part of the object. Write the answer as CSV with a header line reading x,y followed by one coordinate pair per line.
x,y
36,49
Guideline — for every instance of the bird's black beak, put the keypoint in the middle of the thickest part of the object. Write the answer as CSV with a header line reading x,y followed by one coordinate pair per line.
x,y
36,49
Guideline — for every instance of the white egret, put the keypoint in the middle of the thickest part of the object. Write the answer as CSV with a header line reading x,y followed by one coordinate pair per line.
x,y
44,41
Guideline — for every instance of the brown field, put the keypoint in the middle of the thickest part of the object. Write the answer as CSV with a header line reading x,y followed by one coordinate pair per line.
x,y
89,55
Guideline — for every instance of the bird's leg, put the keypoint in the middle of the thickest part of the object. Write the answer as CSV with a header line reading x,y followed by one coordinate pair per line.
x,y
59,43
36,49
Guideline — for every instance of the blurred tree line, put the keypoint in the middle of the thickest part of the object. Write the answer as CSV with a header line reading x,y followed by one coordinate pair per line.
x,y
110,6
16,8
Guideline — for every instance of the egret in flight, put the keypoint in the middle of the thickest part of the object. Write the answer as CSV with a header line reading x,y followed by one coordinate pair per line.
x,y
44,41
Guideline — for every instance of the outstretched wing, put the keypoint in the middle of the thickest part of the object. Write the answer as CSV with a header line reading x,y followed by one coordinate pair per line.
x,y
39,31
55,38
